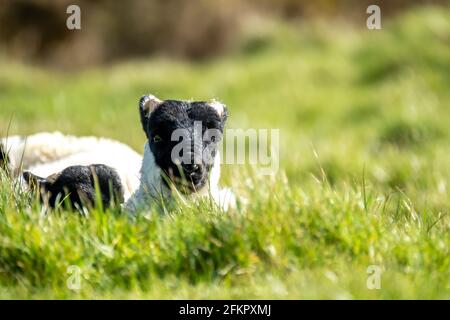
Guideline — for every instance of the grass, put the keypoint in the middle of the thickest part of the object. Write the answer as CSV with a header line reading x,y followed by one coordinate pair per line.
x,y
364,173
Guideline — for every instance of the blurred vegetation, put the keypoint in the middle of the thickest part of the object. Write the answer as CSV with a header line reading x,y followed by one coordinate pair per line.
x,y
35,30
365,151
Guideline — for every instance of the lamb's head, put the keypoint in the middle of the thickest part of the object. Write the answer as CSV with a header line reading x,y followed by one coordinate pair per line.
x,y
76,186
183,137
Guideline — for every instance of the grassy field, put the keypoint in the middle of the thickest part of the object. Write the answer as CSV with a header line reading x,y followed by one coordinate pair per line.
x,y
364,174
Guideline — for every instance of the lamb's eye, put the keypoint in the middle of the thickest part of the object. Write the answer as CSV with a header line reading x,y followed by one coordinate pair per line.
x,y
157,138
213,139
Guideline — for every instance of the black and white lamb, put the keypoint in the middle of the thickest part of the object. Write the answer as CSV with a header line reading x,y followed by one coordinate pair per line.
x,y
181,152
180,156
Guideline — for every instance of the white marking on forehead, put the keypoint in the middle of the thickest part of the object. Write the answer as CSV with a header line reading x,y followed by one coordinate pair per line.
x,y
218,106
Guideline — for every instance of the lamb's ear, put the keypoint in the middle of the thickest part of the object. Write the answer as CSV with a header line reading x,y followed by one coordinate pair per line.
x,y
221,109
147,104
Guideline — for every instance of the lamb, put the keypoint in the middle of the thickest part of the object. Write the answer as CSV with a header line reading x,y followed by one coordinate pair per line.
x,y
193,172
45,154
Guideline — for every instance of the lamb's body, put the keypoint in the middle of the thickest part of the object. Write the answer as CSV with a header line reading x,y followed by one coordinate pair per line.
x,y
44,154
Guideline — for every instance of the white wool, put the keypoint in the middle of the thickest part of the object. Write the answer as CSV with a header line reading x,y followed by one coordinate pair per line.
x,y
150,102
151,186
218,106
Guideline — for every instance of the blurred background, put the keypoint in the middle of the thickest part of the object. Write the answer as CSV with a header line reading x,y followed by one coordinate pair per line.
x,y
33,30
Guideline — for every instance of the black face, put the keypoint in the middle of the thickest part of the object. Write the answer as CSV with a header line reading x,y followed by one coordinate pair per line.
x,y
183,137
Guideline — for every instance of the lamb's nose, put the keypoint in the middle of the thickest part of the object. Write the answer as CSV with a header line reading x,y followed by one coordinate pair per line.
x,y
195,167
192,169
